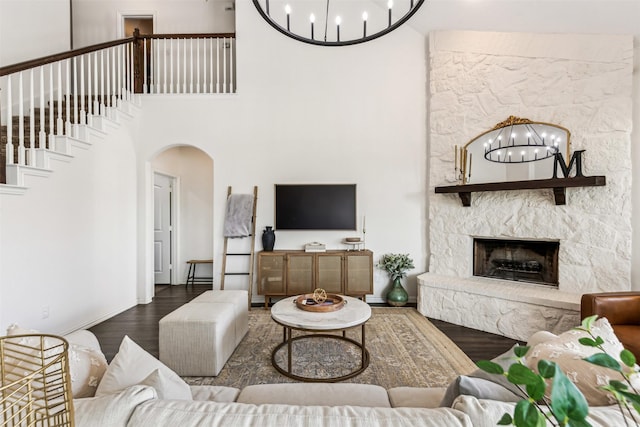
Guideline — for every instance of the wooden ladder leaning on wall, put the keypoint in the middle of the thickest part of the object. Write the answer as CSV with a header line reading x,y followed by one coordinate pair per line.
x,y
250,254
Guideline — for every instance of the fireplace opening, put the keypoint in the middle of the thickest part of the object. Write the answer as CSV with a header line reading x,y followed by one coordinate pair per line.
x,y
532,261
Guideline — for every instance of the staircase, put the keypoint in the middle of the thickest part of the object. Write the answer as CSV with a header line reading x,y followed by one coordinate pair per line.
x,y
53,142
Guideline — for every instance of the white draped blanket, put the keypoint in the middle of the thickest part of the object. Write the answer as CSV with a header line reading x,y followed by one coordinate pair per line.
x,y
237,220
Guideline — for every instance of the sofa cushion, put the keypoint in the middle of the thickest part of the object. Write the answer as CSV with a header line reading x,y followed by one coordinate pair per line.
x,y
483,385
172,413
130,366
87,364
320,394
486,413
567,353
214,393
167,386
416,397
110,410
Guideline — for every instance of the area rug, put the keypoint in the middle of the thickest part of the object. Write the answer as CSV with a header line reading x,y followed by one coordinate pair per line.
x,y
405,350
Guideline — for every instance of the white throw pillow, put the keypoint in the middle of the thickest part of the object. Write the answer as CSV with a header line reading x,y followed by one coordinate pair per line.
x,y
167,387
130,366
567,353
112,409
86,365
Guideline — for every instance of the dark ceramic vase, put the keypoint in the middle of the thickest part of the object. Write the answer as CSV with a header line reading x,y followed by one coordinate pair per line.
x,y
268,239
397,296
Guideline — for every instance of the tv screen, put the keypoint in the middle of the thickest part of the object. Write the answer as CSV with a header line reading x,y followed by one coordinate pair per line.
x,y
315,207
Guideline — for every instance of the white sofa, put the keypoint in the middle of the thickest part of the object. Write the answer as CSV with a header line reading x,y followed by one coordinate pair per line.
x,y
138,390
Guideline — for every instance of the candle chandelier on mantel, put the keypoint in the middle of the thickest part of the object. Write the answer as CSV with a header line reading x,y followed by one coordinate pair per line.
x,y
336,22
518,140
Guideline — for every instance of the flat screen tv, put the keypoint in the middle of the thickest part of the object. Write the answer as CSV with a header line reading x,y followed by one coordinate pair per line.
x,y
315,207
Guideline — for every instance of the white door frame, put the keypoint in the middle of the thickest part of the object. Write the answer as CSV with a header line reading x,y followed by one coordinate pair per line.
x,y
175,223
122,14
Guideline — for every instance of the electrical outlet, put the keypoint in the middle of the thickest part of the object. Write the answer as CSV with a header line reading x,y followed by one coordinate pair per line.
x,y
45,311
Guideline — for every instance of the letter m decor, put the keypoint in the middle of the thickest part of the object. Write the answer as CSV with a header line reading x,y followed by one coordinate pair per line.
x,y
576,158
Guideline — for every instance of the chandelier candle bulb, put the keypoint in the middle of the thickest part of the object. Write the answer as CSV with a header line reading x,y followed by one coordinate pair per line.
x,y
338,21
312,19
390,4
365,16
267,7
287,10
470,158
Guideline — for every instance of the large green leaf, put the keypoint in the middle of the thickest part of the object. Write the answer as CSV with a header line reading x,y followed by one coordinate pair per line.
x,y
520,374
627,358
604,360
567,402
546,369
536,390
506,420
590,342
490,367
521,350
527,414
588,321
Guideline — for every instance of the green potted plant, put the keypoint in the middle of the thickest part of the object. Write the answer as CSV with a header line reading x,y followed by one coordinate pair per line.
x,y
396,265
565,405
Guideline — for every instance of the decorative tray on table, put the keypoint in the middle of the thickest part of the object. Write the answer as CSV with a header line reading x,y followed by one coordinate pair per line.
x,y
320,301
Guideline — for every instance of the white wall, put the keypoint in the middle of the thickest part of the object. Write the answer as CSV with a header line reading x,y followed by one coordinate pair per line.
x,y
33,28
97,21
313,115
69,244
194,200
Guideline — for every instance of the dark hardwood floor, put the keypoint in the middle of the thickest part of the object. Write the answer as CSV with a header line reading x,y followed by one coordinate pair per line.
x,y
141,324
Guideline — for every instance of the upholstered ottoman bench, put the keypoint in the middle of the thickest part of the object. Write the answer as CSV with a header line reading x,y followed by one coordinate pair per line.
x,y
198,339
239,301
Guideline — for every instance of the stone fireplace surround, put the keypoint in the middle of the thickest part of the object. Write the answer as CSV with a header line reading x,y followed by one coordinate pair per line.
x,y
581,82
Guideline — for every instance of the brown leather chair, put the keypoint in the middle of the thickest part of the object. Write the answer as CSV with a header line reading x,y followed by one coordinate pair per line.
x,y
622,309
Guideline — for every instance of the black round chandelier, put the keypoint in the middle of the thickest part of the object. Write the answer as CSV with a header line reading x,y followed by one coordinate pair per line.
x,y
337,22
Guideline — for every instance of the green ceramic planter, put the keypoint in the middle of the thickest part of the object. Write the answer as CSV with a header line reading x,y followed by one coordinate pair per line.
x,y
397,296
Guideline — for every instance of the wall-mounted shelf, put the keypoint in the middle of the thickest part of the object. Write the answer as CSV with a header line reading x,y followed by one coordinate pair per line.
x,y
558,185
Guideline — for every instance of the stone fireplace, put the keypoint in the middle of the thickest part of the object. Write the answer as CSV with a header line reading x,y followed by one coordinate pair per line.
x,y
530,261
581,82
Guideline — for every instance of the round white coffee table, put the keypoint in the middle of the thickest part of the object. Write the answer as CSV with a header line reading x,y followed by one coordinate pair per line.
x,y
286,313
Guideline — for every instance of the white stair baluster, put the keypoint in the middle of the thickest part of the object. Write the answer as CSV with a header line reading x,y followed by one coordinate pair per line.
x,y
83,113
42,135
67,122
132,89
9,159
107,73
21,150
172,88
89,92
96,91
31,158
113,52
120,65
164,51
211,65
152,78
218,65
224,65
59,122
191,66
204,65
198,65
231,66
75,96
52,128
102,111
184,66
144,66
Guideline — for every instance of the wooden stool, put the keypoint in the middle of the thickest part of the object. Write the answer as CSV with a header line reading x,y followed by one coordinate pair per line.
x,y
191,274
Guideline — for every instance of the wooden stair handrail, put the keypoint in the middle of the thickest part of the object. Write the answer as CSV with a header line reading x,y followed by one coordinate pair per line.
x,y
21,66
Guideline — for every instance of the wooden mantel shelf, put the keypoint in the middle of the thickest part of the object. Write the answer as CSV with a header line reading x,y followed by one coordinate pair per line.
x,y
557,184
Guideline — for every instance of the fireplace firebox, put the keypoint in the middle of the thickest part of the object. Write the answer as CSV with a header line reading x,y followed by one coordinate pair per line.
x,y
532,261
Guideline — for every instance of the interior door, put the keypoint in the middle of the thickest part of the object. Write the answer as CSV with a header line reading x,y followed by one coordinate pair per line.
x,y
162,229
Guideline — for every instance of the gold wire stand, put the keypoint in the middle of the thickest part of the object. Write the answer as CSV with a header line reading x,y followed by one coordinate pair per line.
x,y
36,385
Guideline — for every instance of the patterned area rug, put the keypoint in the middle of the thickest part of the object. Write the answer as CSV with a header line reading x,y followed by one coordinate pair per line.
x,y
404,347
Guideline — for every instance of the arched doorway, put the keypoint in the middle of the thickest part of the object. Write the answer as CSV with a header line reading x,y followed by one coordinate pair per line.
x,y
190,177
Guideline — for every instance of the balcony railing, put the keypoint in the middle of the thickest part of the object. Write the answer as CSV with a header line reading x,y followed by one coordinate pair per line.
x,y
55,96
